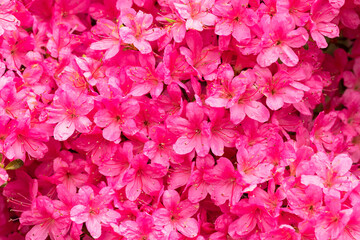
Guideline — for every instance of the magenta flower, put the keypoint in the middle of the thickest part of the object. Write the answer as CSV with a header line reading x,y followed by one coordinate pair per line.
x,y
142,228
68,110
142,176
93,210
204,60
238,94
47,216
236,19
332,174
279,88
194,131
137,29
196,13
177,215
117,116
278,40
322,13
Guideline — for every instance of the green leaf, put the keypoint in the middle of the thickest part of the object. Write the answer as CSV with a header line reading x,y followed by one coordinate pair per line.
x,y
13,165
3,185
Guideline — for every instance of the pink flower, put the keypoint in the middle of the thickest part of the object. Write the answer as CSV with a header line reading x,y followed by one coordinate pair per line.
x,y
331,223
251,165
137,29
239,94
322,13
332,174
116,116
177,215
29,140
196,13
225,183
236,19
143,177
70,172
68,110
194,131
251,216
93,209
146,77
109,32
198,189
204,60
47,216
159,149
279,88
223,132
278,40
142,228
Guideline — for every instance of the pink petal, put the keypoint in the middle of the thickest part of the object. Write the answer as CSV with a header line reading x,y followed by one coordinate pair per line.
x,y
184,145
188,227
288,56
274,102
64,129
241,32
342,164
268,56
82,124
237,113
79,214
257,111
94,227
38,232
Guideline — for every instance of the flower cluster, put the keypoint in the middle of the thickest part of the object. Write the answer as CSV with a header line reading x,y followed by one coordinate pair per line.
x,y
179,119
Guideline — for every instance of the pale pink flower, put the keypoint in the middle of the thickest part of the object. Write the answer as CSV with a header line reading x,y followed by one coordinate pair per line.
x,y
116,116
320,25
196,13
142,176
68,110
3,176
109,32
332,174
278,41
236,19
47,216
137,29
204,60
194,131
93,210
177,215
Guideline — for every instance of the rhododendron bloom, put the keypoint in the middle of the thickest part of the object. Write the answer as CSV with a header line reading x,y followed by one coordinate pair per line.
x,y
136,30
196,13
278,40
177,215
68,111
93,211
48,219
194,131
179,119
